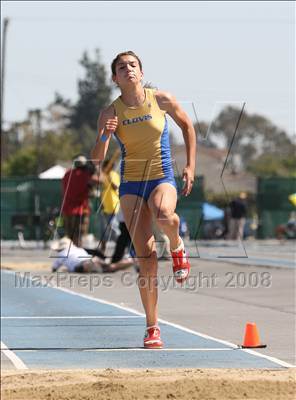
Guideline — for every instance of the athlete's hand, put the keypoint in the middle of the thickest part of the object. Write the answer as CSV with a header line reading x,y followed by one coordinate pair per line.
x,y
188,179
111,125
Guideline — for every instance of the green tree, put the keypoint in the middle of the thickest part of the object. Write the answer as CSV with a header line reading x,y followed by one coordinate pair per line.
x,y
56,148
269,165
256,135
23,162
53,148
18,134
60,100
84,138
93,95
74,125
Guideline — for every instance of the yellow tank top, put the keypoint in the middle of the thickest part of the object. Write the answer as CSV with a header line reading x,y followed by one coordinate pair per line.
x,y
143,136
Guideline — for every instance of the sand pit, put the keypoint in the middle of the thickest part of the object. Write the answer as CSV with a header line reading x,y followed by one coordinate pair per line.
x,y
27,266
206,384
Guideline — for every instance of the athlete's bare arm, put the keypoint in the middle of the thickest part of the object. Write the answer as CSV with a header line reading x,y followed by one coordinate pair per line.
x,y
168,103
107,124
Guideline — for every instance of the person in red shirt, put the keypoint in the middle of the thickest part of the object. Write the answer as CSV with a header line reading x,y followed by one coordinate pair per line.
x,y
76,185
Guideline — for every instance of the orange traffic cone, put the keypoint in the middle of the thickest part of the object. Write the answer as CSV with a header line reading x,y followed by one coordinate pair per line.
x,y
251,339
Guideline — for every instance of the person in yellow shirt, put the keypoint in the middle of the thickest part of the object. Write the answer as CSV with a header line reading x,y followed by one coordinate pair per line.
x,y
110,181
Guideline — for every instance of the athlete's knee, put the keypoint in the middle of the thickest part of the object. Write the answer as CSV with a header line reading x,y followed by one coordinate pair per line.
x,y
167,216
165,213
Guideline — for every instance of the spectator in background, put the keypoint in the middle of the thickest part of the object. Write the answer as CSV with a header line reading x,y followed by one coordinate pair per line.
x,y
288,230
75,259
110,181
120,259
76,185
226,221
123,241
80,260
238,211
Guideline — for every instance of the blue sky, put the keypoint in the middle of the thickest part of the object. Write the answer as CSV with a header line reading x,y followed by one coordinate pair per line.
x,y
202,52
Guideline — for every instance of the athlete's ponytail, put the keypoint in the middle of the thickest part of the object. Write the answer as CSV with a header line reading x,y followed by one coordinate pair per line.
x,y
150,85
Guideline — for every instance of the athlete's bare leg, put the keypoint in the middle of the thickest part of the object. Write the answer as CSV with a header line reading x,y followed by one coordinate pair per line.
x,y
162,203
138,220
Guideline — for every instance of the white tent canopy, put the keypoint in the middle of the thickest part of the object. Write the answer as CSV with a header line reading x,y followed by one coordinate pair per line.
x,y
55,172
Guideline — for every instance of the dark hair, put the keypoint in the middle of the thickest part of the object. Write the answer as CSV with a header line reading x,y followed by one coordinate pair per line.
x,y
106,163
125,53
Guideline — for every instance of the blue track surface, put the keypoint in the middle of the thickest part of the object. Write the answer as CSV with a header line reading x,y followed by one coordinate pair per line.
x,y
49,328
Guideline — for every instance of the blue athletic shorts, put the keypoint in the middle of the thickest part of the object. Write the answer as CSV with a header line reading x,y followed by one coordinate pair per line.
x,y
144,188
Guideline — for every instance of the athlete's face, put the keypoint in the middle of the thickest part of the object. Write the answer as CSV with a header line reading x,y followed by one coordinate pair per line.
x,y
128,71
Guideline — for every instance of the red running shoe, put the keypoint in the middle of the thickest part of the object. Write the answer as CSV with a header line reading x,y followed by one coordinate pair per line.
x,y
181,266
152,338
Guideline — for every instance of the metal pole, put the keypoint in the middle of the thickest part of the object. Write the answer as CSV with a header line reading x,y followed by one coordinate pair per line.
x,y
38,139
35,120
5,25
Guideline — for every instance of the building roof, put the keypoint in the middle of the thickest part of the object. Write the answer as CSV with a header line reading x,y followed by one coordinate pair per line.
x,y
209,164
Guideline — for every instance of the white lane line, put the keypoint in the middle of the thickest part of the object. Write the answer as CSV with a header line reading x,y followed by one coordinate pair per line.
x,y
273,359
131,310
131,349
232,345
139,349
16,361
76,317
253,352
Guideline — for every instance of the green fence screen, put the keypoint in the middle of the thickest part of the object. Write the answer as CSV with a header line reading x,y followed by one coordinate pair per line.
x,y
273,205
30,202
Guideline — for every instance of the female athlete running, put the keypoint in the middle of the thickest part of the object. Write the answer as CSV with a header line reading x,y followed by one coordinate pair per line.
x,y
147,189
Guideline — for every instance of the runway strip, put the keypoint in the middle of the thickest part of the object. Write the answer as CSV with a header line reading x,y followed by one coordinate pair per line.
x,y
53,328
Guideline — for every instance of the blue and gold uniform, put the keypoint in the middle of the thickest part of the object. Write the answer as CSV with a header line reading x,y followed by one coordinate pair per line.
x,y
143,136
